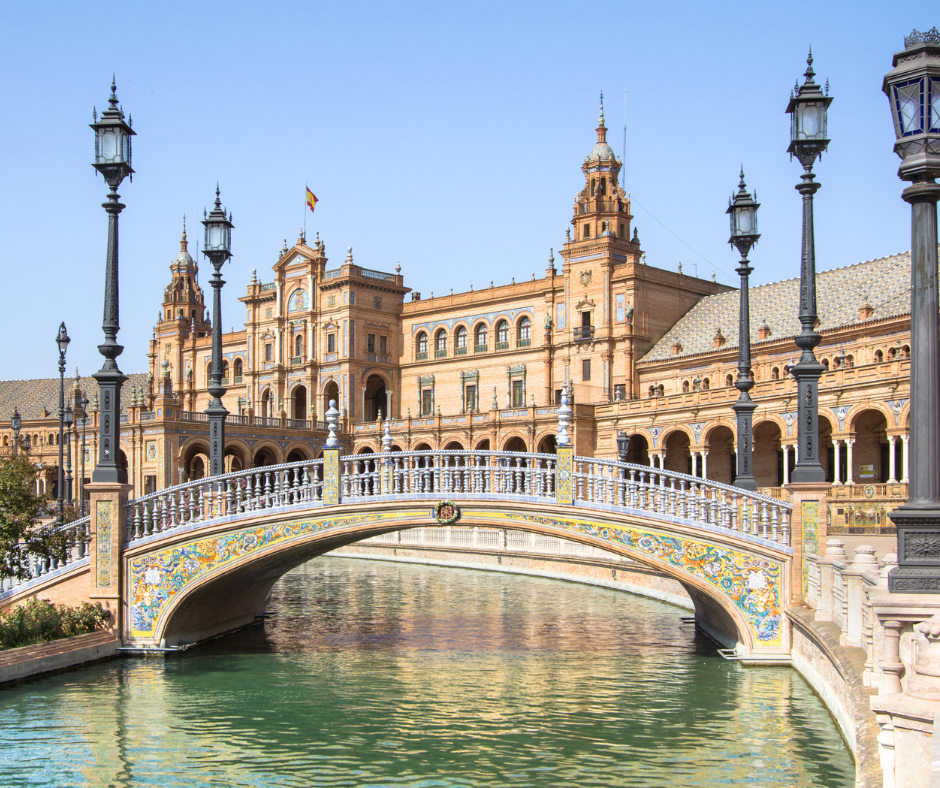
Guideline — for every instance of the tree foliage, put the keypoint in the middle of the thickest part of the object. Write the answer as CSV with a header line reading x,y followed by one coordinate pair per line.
x,y
22,536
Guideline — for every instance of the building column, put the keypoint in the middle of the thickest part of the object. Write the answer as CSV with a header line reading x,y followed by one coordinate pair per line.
x,y
786,463
849,443
704,464
905,456
892,479
388,403
694,454
837,465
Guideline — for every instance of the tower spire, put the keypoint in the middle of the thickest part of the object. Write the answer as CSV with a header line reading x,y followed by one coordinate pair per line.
x,y
184,245
601,128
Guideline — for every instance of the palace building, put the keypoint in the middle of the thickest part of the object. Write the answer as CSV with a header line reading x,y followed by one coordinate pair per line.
x,y
646,351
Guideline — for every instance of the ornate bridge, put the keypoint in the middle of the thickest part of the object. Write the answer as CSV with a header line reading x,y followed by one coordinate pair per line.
x,y
200,558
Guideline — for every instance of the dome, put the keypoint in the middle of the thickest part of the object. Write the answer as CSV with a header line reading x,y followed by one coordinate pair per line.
x,y
183,258
602,151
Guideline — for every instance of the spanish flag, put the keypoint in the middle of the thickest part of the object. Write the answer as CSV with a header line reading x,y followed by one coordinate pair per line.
x,y
311,200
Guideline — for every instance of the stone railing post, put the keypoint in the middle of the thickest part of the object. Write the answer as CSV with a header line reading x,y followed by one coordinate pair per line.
x,y
864,561
386,467
107,528
564,454
835,552
808,529
331,466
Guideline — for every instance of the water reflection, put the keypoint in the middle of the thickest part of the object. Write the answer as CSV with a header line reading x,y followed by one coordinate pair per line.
x,y
374,674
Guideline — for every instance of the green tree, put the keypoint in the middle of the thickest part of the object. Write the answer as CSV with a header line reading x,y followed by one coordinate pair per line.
x,y
22,535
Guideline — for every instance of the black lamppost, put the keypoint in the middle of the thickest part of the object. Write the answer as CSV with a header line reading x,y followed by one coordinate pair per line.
x,y
81,487
808,106
68,420
15,423
623,445
913,89
217,247
62,340
743,213
113,161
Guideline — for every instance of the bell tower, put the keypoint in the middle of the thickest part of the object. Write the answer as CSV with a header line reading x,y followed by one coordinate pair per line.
x,y
602,207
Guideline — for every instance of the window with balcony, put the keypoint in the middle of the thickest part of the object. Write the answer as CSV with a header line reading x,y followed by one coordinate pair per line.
x,y
502,335
524,333
460,341
480,338
470,398
421,347
238,370
427,401
440,344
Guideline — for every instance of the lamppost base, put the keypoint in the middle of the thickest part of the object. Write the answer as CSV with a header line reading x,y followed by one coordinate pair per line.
x,y
918,567
808,474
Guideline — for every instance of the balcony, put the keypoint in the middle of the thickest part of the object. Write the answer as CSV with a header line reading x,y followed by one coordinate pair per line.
x,y
480,348
502,345
523,342
583,333
238,378
440,353
421,356
460,351
296,361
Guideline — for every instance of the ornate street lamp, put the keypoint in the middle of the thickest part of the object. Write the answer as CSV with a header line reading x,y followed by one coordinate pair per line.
x,y
217,247
743,212
913,90
808,107
68,420
623,445
81,487
62,340
15,423
113,161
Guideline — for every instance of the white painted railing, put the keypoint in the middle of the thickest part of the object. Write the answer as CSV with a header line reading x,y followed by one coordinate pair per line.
x,y
602,484
241,492
78,537
678,496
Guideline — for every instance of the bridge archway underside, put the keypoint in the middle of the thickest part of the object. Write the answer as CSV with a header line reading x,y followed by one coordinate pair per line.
x,y
187,584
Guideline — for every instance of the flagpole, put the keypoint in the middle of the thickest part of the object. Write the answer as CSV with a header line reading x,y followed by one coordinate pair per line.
x,y
305,211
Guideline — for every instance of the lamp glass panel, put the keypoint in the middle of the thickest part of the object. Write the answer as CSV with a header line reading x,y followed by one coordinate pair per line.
x,y
907,101
745,218
108,148
935,105
215,236
126,147
812,120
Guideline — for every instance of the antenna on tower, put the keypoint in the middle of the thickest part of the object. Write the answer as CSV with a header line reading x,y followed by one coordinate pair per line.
x,y
623,165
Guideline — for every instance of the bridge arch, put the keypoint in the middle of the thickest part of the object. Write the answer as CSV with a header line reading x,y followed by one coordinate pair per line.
x,y
187,587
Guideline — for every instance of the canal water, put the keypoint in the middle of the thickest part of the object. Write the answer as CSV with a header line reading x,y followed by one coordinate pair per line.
x,y
379,674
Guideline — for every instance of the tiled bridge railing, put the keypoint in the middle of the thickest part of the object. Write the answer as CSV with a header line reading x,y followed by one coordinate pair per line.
x,y
481,475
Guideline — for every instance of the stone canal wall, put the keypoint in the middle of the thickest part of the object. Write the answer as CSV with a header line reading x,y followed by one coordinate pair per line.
x,y
20,663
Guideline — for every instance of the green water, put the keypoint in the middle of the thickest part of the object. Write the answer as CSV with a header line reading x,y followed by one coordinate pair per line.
x,y
380,674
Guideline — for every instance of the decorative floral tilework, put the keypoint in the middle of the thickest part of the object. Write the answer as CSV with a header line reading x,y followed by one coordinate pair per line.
x,y
155,579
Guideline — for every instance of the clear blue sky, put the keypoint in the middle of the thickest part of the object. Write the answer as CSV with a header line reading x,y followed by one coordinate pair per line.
x,y
446,136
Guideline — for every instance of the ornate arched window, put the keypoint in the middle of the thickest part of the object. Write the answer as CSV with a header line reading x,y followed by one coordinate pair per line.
x,y
299,345
460,341
238,370
440,343
502,335
421,346
481,338
524,332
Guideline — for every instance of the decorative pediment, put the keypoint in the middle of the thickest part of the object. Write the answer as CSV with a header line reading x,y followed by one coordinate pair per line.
x,y
587,302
